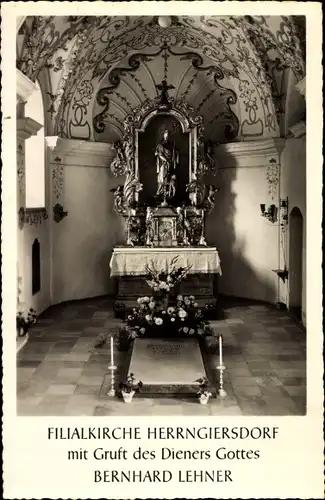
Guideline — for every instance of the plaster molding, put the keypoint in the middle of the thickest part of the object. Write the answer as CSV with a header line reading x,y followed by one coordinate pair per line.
x,y
298,129
82,153
19,22
51,141
301,87
249,153
26,127
24,86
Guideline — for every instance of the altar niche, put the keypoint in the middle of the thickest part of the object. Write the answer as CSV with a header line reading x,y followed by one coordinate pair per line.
x,y
163,129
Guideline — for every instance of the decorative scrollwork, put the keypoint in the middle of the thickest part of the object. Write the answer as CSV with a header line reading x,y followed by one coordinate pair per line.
x,y
32,216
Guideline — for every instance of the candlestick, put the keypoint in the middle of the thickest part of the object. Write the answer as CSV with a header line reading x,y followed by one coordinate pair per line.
x,y
222,392
111,392
220,350
112,351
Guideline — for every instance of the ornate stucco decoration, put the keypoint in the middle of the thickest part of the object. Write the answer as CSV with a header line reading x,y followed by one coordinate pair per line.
x,y
32,216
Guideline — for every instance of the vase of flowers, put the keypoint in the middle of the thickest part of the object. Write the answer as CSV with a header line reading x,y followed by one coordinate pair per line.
x,y
129,387
24,322
203,392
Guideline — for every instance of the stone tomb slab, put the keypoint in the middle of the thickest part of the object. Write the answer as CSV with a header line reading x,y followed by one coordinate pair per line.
x,y
168,366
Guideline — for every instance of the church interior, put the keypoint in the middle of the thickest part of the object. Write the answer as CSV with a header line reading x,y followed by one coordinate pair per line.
x,y
172,145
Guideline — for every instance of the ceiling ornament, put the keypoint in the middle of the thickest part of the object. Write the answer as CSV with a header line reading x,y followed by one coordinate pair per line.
x,y
227,118
251,52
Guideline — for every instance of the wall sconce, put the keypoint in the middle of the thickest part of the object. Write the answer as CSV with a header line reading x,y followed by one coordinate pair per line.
x,y
284,212
270,214
59,213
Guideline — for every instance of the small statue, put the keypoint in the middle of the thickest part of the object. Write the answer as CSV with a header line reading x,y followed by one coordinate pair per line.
x,y
149,227
119,202
196,193
212,190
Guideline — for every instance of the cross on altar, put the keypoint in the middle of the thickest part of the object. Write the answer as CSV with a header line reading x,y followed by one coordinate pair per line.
x,y
164,87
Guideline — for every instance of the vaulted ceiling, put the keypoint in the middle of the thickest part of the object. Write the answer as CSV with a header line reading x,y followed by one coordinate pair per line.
x,y
235,71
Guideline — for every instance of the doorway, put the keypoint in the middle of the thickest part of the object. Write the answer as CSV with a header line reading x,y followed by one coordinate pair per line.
x,y
296,227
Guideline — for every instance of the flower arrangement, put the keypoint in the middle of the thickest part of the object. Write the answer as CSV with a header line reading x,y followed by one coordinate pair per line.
x,y
23,322
129,387
153,318
203,393
163,282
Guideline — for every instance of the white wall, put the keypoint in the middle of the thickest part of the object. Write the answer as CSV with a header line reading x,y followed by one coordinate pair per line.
x,y
83,241
293,186
246,241
25,238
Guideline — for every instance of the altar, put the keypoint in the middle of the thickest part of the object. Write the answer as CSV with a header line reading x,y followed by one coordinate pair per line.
x,y
164,202
128,267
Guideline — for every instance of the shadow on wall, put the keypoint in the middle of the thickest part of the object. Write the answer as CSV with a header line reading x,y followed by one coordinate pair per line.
x,y
241,245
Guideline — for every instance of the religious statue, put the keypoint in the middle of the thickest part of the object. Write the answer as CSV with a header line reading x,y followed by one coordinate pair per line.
x,y
195,192
119,205
167,160
210,199
149,227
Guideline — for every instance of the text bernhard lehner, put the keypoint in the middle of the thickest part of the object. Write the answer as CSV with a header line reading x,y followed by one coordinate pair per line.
x,y
165,453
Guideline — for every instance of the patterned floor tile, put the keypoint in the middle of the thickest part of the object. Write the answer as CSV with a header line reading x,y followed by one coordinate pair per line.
x,y
59,372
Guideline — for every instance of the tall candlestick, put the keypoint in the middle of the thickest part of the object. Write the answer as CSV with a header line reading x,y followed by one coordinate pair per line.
x,y
220,350
112,353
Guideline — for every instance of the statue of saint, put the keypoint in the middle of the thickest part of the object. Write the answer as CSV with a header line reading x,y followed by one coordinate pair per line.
x,y
167,160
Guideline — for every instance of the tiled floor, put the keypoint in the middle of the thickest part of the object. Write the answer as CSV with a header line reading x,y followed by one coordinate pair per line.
x,y
60,374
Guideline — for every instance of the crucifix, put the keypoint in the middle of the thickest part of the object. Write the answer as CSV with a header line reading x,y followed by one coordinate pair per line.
x,y
164,87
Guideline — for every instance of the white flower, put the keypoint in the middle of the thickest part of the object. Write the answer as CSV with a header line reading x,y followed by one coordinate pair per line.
x,y
179,297
163,312
139,300
142,330
172,319
170,310
152,305
196,304
158,321
146,299
182,313
130,317
185,329
148,317
191,332
192,297
187,302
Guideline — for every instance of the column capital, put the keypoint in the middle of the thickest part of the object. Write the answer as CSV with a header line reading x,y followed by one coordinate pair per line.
x,y
26,127
24,86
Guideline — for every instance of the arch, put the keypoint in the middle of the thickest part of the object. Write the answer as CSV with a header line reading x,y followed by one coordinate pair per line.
x,y
35,153
36,267
296,227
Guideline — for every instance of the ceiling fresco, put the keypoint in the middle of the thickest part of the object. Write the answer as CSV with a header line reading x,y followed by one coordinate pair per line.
x,y
95,70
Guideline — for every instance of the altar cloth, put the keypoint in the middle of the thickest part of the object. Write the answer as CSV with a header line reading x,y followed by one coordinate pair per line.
x,y
132,261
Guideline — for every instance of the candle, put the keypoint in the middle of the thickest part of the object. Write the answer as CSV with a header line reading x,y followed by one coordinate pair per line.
x,y
220,350
112,354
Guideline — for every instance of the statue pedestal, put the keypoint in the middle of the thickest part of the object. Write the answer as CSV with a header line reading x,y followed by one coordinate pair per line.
x,y
128,267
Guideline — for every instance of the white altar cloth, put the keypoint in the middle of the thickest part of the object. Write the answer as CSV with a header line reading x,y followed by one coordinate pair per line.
x,y
131,261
